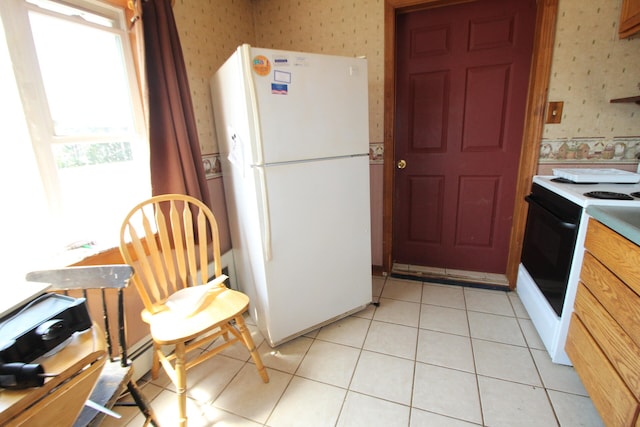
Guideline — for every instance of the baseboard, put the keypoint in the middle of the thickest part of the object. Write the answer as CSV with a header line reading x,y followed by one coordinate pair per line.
x,y
378,270
229,268
141,356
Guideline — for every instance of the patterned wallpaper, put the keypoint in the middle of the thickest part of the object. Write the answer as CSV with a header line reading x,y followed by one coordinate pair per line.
x,y
590,67
334,27
209,32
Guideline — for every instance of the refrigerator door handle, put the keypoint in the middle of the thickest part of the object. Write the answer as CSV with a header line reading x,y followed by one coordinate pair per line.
x,y
266,217
252,103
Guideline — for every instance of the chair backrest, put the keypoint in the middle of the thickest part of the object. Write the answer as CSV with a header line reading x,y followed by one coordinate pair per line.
x,y
102,286
170,240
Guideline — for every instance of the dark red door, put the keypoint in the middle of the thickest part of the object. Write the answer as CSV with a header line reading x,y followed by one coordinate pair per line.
x,y
462,79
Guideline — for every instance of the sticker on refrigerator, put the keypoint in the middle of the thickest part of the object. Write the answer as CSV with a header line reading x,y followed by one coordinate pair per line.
x,y
300,61
280,60
282,76
279,89
236,151
261,65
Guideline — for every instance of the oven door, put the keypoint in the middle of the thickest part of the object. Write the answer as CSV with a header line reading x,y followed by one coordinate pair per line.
x,y
549,243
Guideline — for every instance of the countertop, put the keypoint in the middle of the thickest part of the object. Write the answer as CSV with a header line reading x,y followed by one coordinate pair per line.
x,y
625,220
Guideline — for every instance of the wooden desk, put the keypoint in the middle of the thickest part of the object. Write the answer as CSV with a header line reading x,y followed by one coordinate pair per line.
x,y
59,401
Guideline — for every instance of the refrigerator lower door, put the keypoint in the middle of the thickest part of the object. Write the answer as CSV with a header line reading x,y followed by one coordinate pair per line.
x,y
320,264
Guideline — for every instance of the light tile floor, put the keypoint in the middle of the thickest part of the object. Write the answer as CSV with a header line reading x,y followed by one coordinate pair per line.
x,y
428,355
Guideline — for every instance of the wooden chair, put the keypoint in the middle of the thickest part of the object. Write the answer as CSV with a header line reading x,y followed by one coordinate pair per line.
x,y
103,286
170,240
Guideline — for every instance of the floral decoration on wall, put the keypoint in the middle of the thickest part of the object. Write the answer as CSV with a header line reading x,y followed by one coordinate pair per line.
x,y
623,149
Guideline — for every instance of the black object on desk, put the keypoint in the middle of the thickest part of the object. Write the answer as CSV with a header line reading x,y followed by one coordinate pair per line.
x,y
40,326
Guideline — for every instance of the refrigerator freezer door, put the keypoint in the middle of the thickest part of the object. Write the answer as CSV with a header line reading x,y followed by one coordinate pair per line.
x,y
321,244
308,104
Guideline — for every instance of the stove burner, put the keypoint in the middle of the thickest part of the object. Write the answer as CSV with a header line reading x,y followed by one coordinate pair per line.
x,y
608,195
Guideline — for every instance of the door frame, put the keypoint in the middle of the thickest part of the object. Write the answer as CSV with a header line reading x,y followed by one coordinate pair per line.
x,y
544,38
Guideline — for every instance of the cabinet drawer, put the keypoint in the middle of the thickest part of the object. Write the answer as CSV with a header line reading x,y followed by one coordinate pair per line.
x,y
621,255
619,349
617,298
611,397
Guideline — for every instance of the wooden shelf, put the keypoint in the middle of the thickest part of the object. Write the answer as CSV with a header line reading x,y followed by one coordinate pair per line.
x,y
635,99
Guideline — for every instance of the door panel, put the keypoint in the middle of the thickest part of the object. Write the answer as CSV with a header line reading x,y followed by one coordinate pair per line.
x,y
462,79
491,32
476,209
487,88
426,193
429,95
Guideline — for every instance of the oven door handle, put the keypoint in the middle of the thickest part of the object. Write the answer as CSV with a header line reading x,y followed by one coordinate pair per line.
x,y
562,223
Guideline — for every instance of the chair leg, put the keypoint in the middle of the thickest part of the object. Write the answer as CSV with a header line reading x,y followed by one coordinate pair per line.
x,y
248,342
155,366
142,403
181,386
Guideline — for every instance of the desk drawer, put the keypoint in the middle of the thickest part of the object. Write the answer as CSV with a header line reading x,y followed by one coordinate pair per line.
x,y
619,349
621,255
617,298
613,400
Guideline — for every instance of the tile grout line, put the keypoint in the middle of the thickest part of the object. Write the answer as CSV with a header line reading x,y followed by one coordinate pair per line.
x,y
544,386
361,349
473,356
415,355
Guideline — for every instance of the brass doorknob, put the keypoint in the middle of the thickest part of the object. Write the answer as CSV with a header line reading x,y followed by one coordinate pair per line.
x,y
402,164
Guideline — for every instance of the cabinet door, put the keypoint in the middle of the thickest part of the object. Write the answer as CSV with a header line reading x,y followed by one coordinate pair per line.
x,y
629,18
620,350
611,397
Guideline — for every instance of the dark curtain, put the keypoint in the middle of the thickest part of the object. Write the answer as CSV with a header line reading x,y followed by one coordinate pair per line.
x,y
176,160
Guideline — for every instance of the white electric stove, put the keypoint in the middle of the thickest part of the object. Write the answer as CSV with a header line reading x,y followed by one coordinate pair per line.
x,y
576,191
552,327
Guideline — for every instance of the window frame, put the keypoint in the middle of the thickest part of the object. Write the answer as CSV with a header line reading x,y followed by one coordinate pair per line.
x,y
22,50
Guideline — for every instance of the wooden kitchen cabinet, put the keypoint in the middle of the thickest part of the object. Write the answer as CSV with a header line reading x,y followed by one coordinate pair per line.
x,y
629,18
604,335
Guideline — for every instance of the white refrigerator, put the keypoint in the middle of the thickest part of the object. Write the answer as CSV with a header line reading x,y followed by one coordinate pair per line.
x,y
293,135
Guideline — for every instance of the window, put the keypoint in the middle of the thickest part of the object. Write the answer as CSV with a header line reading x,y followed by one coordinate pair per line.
x,y
72,67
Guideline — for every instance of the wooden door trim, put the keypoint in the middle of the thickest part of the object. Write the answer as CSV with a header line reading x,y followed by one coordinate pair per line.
x,y
544,38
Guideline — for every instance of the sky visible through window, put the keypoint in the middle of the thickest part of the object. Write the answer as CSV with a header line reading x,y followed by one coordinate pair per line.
x,y
84,78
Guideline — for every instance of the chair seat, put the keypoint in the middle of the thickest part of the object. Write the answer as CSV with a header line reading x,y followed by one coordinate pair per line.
x,y
169,327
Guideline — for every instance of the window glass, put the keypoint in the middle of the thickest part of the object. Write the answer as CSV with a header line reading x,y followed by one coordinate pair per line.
x,y
21,221
104,19
84,77
78,92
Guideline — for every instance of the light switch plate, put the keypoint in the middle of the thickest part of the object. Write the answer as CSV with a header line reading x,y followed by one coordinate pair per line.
x,y
554,112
